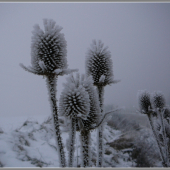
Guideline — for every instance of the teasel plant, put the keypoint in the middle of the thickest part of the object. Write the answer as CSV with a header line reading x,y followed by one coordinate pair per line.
x,y
48,59
79,102
152,106
99,65
166,117
74,105
159,105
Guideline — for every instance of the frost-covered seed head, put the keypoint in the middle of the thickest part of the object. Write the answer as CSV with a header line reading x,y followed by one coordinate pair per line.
x,y
48,48
99,63
74,100
79,100
167,113
144,101
158,100
94,113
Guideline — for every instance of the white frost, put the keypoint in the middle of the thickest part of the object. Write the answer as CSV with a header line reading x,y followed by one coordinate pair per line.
x,y
42,65
102,78
57,71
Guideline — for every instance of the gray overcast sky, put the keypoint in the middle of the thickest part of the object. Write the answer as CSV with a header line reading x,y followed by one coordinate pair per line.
x,y
138,36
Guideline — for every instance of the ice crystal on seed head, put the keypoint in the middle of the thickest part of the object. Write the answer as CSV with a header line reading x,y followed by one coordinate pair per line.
x,y
158,100
167,112
48,48
79,100
94,112
144,100
74,100
99,63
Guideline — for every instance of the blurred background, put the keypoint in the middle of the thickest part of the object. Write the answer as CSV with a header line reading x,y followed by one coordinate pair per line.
x,y
137,35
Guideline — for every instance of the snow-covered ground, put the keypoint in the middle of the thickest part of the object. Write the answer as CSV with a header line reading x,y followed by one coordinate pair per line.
x,y
29,141
19,149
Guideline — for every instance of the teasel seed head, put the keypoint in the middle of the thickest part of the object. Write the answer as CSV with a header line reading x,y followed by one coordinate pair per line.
x,y
144,101
74,101
167,113
48,51
158,100
99,64
48,48
93,117
79,100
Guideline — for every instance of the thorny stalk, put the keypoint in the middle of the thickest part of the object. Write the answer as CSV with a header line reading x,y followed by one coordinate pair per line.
x,y
100,129
72,141
51,83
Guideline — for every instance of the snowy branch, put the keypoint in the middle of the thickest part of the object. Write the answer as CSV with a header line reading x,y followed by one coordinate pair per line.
x,y
101,121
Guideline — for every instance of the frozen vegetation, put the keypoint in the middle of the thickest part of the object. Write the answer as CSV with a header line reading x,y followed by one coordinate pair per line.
x,y
81,131
31,142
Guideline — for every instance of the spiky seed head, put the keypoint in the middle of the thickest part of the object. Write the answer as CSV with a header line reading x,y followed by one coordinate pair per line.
x,y
93,116
158,100
48,48
74,101
79,100
167,113
99,63
144,101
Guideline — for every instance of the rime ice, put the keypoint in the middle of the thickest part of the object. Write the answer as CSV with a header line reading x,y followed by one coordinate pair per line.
x,y
99,63
48,48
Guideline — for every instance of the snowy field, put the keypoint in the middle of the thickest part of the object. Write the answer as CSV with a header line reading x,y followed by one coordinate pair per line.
x,y
30,142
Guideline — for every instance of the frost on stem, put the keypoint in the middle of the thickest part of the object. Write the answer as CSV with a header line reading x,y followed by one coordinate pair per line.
x,y
100,130
99,65
51,86
85,148
72,134
167,127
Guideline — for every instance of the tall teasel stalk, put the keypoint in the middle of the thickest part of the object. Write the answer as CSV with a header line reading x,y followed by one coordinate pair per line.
x,y
79,101
99,65
149,106
166,117
158,102
74,104
48,58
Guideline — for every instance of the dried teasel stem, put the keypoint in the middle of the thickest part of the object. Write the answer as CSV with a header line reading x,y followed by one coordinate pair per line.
x,y
51,84
48,58
85,146
100,129
72,142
